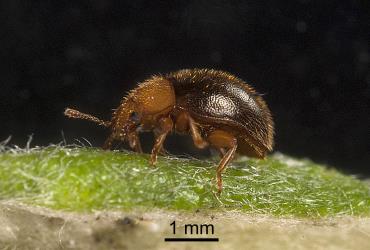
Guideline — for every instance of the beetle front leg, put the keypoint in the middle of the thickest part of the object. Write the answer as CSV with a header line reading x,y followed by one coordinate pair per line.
x,y
222,139
134,141
108,142
165,126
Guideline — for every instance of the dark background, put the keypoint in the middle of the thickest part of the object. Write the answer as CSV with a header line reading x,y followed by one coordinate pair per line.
x,y
311,59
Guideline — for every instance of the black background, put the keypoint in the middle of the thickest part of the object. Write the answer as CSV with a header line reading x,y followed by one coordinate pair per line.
x,y
311,59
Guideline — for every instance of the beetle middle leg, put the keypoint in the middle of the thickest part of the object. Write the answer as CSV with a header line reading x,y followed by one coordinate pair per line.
x,y
221,139
221,152
165,126
185,123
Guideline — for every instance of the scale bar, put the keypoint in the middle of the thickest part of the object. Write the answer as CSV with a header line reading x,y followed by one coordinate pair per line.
x,y
191,239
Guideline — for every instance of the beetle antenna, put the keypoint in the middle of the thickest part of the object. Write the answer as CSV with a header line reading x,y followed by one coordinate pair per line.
x,y
72,113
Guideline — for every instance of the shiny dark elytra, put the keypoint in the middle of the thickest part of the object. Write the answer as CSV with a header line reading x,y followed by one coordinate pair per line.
x,y
216,108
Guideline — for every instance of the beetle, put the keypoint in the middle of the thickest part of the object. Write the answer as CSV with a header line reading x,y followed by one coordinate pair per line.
x,y
216,108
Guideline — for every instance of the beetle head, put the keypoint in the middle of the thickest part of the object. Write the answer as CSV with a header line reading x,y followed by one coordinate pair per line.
x,y
143,105
126,118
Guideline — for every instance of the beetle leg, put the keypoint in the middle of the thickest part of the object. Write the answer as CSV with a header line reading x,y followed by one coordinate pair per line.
x,y
199,142
222,139
165,125
108,142
134,141
221,151
161,151
184,123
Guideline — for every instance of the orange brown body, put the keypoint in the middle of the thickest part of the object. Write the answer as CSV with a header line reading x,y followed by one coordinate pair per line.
x,y
216,108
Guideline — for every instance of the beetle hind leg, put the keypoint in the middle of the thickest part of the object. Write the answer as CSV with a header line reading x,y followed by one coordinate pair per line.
x,y
223,140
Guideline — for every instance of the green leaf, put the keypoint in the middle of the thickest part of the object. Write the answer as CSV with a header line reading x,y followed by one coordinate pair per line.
x,y
86,179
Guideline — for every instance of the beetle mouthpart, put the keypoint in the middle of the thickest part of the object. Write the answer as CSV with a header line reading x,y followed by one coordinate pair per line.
x,y
72,113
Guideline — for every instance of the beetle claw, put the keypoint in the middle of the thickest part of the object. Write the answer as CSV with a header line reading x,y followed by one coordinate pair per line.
x,y
219,183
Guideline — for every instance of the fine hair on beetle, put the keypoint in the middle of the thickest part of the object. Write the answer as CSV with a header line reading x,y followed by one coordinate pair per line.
x,y
216,108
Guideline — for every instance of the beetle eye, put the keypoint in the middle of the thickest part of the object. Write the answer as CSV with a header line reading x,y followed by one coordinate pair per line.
x,y
134,116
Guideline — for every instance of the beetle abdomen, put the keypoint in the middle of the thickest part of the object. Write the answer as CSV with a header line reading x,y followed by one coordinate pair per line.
x,y
223,100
